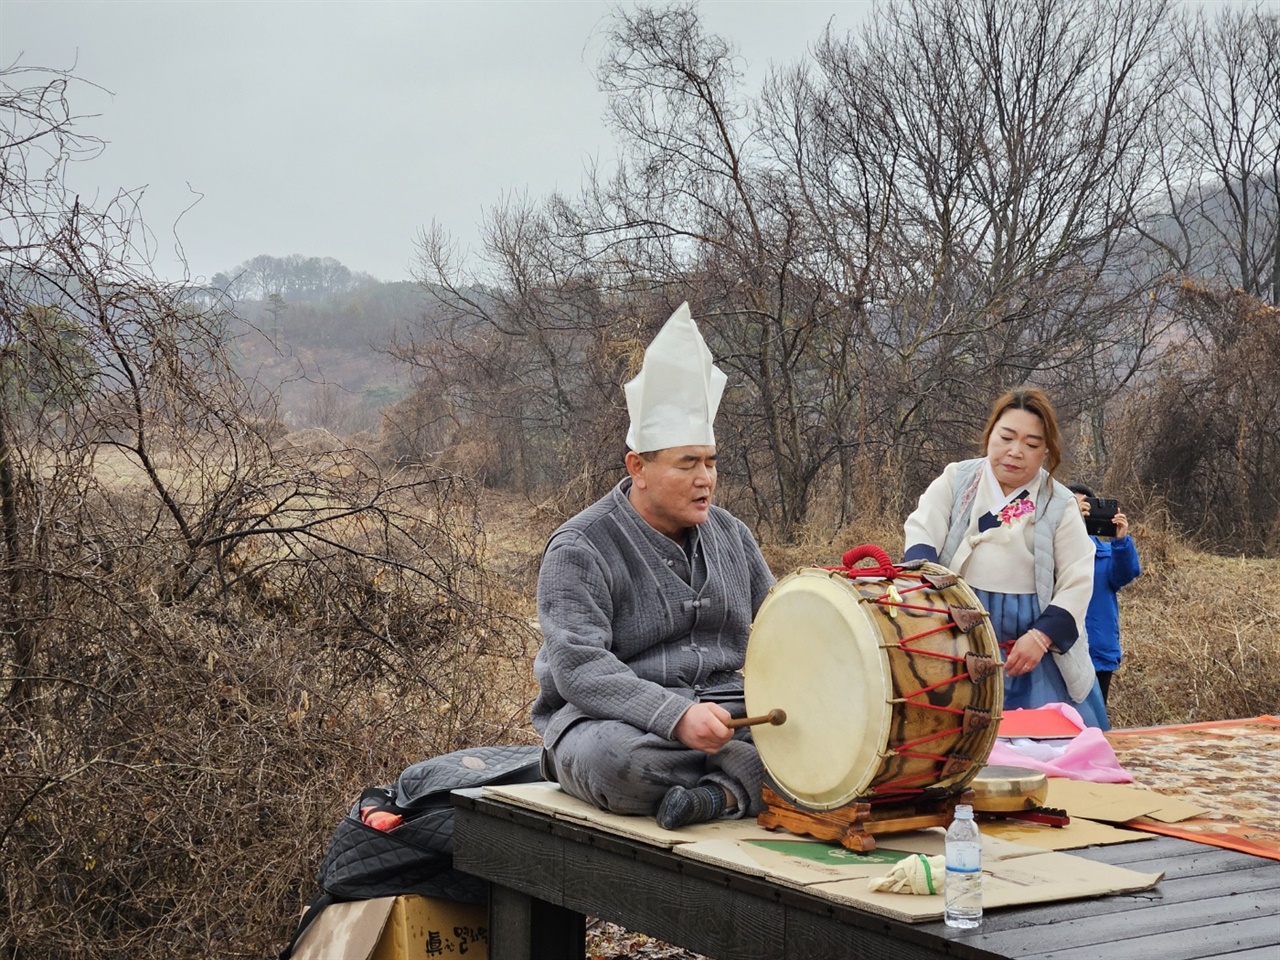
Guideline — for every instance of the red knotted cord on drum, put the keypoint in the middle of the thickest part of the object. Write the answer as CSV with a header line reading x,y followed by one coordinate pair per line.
x,y
884,566
885,569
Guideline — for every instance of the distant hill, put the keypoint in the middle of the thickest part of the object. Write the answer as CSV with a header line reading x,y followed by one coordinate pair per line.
x,y
317,334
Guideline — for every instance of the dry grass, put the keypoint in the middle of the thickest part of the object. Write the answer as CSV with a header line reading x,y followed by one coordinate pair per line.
x,y
173,777
1200,635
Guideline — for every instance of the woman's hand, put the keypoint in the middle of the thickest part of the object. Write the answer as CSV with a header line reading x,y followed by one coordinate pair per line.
x,y
1122,525
1025,655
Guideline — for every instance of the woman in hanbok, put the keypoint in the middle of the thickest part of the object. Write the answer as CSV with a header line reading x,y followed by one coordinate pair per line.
x,y
1017,538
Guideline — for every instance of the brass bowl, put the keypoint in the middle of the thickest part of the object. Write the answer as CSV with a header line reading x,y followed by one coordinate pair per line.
x,y
1007,789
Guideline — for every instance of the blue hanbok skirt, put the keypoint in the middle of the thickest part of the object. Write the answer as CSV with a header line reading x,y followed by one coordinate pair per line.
x,y
1012,615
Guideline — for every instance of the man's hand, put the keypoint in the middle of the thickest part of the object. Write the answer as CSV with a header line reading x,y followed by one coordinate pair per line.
x,y
702,727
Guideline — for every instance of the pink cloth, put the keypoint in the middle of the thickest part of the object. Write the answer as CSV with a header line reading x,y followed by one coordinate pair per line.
x,y
1086,756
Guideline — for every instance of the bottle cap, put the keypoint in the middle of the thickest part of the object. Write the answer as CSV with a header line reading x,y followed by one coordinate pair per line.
x,y
964,811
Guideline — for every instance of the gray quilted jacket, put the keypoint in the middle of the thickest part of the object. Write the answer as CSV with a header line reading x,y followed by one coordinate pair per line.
x,y
634,631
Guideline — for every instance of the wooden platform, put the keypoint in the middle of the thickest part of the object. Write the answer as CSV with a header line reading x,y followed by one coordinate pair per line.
x,y
548,874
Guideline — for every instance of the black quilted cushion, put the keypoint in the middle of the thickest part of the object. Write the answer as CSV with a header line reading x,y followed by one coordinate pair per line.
x,y
417,857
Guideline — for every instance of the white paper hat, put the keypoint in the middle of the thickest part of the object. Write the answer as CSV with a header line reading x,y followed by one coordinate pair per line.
x,y
674,398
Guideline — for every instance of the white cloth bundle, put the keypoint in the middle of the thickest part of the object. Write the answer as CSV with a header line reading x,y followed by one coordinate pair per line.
x,y
914,874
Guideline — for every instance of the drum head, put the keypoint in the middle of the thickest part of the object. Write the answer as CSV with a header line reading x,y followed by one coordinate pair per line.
x,y
813,653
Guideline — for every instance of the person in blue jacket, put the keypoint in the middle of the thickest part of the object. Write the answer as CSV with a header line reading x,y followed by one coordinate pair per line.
x,y
1115,566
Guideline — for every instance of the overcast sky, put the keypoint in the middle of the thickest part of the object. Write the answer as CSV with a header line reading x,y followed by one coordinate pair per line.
x,y
342,128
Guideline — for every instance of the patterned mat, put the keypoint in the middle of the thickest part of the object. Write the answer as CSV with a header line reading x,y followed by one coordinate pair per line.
x,y
1231,768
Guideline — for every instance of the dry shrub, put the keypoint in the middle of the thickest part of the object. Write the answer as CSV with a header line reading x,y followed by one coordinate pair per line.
x,y
172,781
839,518
1201,638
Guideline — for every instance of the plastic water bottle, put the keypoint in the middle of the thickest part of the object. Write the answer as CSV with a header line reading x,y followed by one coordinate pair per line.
x,y
964,870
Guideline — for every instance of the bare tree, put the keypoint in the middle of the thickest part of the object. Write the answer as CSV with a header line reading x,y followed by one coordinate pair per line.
x,y
977,166
195,619
522,364
1204,434
1220,219
935,210
700,210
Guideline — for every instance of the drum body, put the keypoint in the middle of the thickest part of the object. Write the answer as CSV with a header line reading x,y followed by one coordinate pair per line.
x,y
892,687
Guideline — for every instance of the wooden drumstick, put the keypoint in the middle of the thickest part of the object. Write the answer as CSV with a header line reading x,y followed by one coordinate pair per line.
x,y
773,717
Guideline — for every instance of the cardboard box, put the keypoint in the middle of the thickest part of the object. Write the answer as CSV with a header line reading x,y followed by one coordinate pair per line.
x,y
397,928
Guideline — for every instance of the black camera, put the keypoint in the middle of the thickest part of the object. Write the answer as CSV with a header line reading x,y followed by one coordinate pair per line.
x,y
1101,521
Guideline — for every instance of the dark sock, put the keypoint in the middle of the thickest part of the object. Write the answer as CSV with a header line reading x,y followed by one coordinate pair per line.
x,y
683,806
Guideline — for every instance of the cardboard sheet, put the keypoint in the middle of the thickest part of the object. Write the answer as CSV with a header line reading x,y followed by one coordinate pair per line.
x,y
549,798
1013,872
781,862
929,842
1175,810
1016,881
800,862
345,930
1079,833
1057,876
1115,802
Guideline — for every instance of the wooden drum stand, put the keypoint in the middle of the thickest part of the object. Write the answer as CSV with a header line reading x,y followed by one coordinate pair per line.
x,y
855,825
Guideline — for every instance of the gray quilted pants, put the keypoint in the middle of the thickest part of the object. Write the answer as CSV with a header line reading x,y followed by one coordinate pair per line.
x,y
622,769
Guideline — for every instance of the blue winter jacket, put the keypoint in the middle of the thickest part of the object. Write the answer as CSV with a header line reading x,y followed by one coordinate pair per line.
x,y
1115,565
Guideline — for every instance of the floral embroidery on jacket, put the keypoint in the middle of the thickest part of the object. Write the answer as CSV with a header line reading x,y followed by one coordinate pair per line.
x,y
1015,510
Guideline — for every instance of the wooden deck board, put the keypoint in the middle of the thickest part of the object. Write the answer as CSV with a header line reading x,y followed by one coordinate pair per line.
x,y
1189,944
1144,921
1262,878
